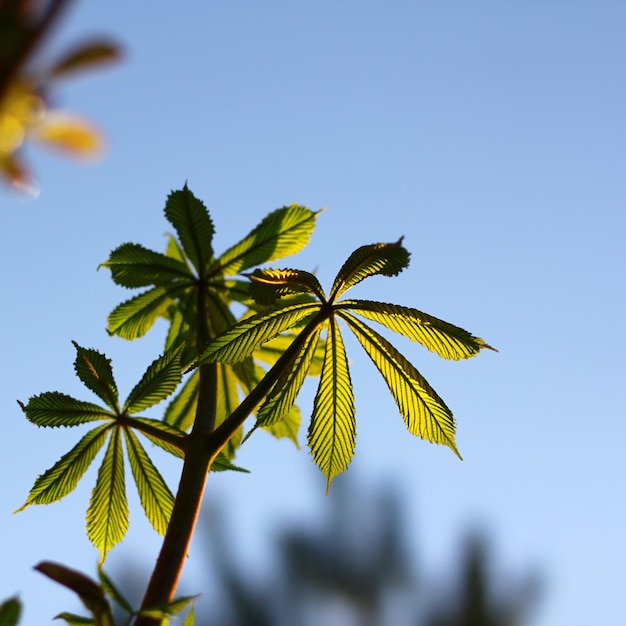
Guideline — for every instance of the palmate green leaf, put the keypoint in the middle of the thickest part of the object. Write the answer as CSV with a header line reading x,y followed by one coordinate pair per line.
x,y
53,408
388,259
64,475
194,226
424,412
156,498
332,430
135,317
283,395
132,265
446,340
160,380
107,515
283,232
94,369
241,341
269,285
181,411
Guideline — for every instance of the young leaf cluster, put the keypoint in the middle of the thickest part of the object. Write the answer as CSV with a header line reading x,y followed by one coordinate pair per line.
x,y
96,598
194,290
107,515
332,429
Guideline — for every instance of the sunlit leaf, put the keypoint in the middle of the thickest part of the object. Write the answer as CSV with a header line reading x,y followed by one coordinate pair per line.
x,y
242,340
85,56
227,397
156,498
287,427
132,265
271,351
181,411
269,285
283,232
64,475
192,222
160,380
424,412
69,134
283,395
89,592
52,408
134,318
10,611
107,515
387,259
94,369
446,340
332,430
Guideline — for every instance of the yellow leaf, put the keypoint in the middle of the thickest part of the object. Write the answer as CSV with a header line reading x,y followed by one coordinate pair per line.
x,y
71,135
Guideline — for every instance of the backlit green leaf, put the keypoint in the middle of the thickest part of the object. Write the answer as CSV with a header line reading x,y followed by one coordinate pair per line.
x,y
271,351
287,427
283,232
192,222
135,317
156,499
283,395
269,285
446,340
424,412
107,515
241,341
332,430
132,265
181,411
64,475
387,259
160,380
94,369
53,408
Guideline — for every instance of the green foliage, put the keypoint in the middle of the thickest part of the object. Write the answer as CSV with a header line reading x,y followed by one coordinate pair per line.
x,y
10,611
107,515
288,329
332,429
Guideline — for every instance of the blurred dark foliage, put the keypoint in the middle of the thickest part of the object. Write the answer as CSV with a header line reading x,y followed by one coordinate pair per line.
x,y
355,568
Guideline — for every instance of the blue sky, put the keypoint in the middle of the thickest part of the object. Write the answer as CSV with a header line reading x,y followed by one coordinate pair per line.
x,y
491,135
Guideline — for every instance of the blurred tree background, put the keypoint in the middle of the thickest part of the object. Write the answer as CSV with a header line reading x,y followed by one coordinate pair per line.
x,y
354,568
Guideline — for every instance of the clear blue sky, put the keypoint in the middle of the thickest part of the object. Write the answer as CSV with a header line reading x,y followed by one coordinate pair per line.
x,y
491,135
